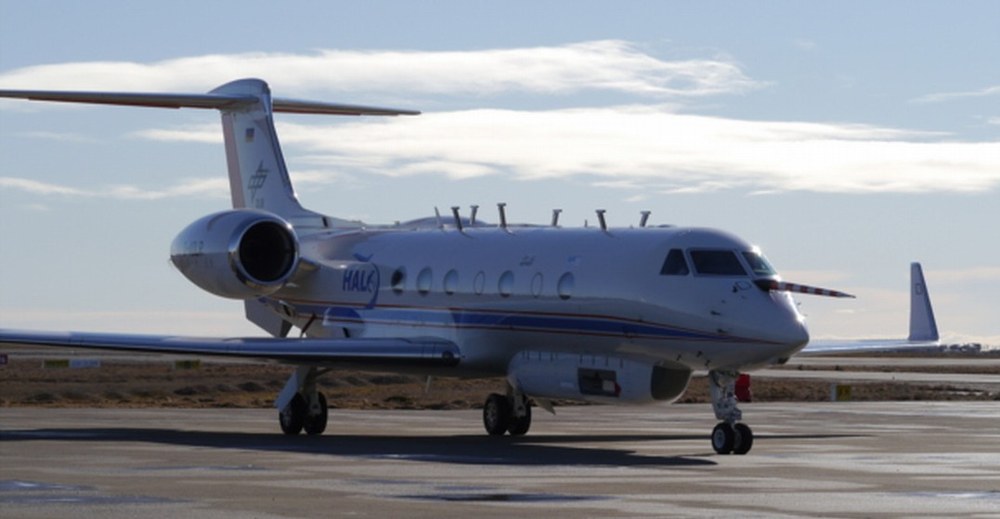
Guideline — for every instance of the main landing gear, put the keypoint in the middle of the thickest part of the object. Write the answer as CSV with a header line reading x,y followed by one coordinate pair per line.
x,y
307,409
509,413
730,436
300,416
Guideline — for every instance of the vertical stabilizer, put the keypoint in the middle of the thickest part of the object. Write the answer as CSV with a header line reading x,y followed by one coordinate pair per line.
x,y
923,327
258,178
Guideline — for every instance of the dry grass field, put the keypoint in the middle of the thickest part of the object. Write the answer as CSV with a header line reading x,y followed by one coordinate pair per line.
x,y
158,382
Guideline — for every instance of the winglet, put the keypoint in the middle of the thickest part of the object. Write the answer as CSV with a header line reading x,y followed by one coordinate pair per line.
x,y
923,327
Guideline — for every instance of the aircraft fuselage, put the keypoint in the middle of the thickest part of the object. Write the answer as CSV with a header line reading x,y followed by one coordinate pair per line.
x,y
589,292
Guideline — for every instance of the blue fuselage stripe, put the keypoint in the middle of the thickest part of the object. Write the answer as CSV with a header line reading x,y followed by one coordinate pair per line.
x,y
499,320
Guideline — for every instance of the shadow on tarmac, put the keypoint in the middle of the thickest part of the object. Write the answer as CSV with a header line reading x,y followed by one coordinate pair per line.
x,y
538,450
478,450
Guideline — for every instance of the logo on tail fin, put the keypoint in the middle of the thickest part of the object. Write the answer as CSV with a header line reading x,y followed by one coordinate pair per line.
x,y
255,183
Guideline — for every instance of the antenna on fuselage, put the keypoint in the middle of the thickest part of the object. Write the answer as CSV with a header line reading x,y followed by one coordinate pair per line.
x,y
555,217
502,207
458,219
644,218
600,218
437,214
472,217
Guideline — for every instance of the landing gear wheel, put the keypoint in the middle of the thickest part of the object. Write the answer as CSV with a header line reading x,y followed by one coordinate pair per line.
x,y
723,438
293,417
519,425
496,414
316,424
744,438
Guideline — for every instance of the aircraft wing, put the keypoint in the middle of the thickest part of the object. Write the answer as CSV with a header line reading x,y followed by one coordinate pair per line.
x,y
862,346
367,352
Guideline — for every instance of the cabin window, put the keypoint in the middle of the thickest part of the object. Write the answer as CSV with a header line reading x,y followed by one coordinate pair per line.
x,y
717,263
675,264
479,283
536,284
424,280
758,264
450,282
565,286
398,280
506,284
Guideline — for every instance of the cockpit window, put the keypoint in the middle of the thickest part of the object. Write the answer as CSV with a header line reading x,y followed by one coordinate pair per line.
x,y
675,264
758,264
717,263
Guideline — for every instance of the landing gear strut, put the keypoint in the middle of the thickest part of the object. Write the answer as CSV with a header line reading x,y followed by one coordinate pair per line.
x,y
307,409
730,436
509,413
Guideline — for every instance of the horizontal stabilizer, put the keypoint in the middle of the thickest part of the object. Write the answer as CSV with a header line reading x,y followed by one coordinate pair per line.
x,y
356,351
219,101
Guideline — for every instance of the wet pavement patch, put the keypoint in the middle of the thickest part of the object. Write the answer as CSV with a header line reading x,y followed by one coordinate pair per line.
x,y
15,492
503,498
209,468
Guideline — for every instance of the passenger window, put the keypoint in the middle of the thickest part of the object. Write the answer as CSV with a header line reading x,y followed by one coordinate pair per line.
x,y
506,284
424,280
450,282
717,263
398,280
675,264
479,283
565,286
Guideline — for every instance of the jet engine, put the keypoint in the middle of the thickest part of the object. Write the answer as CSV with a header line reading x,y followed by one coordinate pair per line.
x,y
239,254
596,378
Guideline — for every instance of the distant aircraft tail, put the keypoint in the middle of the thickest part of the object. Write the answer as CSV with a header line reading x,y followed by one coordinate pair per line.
x,y
258,177
923,327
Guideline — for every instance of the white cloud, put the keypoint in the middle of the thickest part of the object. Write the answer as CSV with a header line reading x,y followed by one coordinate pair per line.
x,y
612,147
951,96
965,275
626,146
606,65
216,187
804,44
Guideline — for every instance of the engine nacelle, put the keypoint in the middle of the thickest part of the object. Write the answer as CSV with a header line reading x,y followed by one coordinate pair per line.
x,y
239,254
594,378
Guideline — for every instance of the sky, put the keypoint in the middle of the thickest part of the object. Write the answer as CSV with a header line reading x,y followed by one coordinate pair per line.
x,y
846,139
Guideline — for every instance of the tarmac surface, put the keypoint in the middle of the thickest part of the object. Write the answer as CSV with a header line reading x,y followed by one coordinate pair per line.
x,y
844,459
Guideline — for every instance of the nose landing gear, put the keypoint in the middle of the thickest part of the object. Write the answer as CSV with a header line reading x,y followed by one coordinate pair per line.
x,y
730,436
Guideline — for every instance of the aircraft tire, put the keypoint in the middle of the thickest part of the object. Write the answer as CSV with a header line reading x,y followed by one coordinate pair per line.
x,y
744,438
314,425
293,417
519,425
723,438
496,414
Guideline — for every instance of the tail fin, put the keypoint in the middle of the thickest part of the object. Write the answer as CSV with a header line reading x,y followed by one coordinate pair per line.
x,y
258,178
257,175
923,327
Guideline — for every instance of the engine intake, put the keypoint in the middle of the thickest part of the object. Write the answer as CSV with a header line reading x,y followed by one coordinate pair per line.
x,y
239,254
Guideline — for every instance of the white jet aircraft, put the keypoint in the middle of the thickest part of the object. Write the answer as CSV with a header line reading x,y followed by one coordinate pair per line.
x,y
597,314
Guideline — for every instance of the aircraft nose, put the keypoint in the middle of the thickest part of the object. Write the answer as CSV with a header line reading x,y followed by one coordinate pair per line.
x,y
793,333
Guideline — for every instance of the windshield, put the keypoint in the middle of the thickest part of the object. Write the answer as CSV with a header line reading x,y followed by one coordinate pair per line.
x,y
717,263
758,264
674,265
